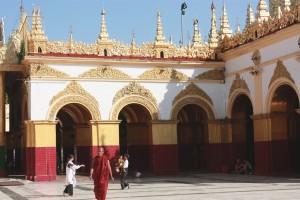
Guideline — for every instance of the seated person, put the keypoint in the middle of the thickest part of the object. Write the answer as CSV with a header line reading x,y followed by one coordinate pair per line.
x,y
239,167
247,167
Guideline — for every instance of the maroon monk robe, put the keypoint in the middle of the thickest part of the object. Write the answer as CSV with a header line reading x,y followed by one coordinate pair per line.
x,y
100,176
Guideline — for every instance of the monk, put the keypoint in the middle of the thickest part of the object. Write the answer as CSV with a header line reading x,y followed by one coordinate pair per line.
x,y
100,172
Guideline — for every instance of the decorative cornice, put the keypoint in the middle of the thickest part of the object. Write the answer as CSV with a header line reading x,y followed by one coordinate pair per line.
x,y
134,88
239,83
192,89
74,89
105,72
44,70
280,72
163,73
214,74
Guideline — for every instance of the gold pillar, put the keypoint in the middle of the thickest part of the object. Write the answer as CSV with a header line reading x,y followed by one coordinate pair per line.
x,y
219,131
164,132
83,135
258,99
262,128
105,133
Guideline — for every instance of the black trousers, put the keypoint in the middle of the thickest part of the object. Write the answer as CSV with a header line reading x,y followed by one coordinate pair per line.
x,y
69,189
123,176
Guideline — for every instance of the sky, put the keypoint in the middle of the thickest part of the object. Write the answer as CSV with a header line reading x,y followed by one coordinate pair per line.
x,y
124,18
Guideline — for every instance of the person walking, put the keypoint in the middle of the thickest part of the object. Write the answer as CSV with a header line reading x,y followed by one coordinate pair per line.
x,y
124,173
70,176
100,172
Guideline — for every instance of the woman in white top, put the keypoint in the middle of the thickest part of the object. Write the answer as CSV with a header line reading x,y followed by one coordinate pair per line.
x,y
124,173
70,176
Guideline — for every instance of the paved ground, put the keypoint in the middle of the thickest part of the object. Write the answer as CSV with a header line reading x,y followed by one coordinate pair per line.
x,y
183,187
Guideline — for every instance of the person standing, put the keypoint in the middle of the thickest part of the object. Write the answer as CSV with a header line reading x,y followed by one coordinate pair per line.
x,y
70,176
100,172
124,173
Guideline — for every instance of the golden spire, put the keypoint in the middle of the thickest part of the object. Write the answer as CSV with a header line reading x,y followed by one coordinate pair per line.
x,y
286,5
250,17
263,14
103,34
213,35
197,40
159,31
71,45
2,34
224,26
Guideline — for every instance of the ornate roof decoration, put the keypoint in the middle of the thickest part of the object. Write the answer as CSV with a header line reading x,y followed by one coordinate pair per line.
x,y
213,34
214,74
192,89
238,83
134,88
258,30
163,73
105,72
72,90
280,72
224,26
256,57
39,70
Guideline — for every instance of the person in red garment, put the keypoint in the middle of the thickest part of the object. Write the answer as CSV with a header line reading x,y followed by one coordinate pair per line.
x,y
100,172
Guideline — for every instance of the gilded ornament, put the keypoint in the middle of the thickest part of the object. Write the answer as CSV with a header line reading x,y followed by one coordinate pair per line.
x,y
214,74
280,72
42,70
105,72
256,57
239,83
192,89
134,88
163,73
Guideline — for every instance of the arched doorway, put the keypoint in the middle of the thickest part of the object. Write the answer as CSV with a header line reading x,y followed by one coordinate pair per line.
x,y
285,129
73,135
242,130
192,132
135,137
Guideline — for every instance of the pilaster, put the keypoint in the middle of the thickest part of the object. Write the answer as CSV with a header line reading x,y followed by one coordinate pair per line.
x,y
2,124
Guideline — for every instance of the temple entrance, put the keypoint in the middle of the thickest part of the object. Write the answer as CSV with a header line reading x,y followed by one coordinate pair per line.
x,y
242,130
285,129
73,136
135,137
191,136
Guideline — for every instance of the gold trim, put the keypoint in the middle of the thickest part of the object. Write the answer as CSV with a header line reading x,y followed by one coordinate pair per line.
x,y
192,89
214,74
239,83
281,72
163,73
44,70
105,72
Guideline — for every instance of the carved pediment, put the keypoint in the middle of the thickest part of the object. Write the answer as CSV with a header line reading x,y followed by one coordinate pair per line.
x,y
44,70
192,89
239,83
280,72
105,72
163,73
214,74
134,88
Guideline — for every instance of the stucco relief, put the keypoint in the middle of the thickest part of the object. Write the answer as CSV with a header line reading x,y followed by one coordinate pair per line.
x,y
74,93
192,89
163,73
105,72
42,70
135,99
192,100
214,74
239,83
134,88
280,72
256,57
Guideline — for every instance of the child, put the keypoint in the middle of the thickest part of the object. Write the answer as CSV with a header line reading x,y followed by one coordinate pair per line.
x,y
120,164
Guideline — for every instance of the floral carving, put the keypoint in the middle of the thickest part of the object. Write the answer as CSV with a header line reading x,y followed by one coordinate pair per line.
x,y
163,73
134,88
256,57
105,72
192,89
44,70
239,83
280,72
214,74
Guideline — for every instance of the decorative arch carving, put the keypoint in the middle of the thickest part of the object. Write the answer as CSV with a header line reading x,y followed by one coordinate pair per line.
x,y
192,89
74,93
280,72
214,74
135,99
163,73
105,72
274,86
192,100
44,70
134,88
236,93
240,84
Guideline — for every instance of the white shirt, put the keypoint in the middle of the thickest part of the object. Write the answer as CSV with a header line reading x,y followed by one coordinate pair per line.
x,y
126,163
